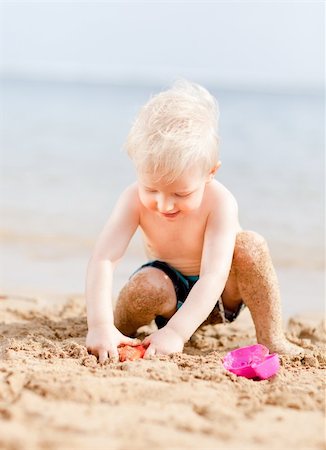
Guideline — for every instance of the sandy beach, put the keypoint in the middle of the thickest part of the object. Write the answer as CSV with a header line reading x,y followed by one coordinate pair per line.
x,y
53,395
73,77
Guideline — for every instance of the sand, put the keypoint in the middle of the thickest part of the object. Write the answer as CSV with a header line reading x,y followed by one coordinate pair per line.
x,y
53,395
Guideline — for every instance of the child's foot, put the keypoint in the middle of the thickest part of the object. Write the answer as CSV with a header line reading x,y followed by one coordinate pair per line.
x,y
284,347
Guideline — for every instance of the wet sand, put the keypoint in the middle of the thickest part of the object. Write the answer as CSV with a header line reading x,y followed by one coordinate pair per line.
x,y
53,395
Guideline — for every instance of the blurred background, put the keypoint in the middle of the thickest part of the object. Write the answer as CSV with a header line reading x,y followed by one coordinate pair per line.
x,y
73,76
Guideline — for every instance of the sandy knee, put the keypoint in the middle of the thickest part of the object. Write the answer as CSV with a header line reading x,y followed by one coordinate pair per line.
x,y
249,247
250,237
150,289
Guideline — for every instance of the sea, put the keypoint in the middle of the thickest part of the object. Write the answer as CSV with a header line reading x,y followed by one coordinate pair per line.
x,y
63,166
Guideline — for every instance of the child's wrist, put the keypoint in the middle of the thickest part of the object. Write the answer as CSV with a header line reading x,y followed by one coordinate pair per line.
x,y
176,332
100,324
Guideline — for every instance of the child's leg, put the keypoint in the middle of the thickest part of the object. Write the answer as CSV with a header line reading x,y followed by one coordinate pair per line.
x,y
149,293
253,279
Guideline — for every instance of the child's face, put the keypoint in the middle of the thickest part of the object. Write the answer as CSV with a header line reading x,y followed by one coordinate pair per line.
x,y
175,199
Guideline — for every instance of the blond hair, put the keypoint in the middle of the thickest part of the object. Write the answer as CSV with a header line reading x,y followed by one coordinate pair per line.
x,y
175,129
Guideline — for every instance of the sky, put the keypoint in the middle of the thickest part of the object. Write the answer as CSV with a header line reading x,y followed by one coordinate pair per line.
x,y
237,43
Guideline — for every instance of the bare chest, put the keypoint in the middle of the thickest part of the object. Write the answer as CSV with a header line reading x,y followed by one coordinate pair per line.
x,y
180,241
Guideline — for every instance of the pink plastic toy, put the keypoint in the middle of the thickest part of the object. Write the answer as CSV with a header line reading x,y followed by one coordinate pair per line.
x,y
253,361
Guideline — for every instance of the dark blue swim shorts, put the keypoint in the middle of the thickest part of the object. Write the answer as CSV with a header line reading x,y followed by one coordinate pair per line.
x,y
182,286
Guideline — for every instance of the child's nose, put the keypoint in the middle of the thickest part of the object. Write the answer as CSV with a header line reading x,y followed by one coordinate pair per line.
x,y
165,204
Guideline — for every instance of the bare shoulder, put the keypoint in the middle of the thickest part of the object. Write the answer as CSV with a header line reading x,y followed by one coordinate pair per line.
x,y
223,218
127,205
220,198
131,191
129,197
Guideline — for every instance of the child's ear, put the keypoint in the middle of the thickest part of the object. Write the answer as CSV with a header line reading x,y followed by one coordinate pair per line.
x,y
213,170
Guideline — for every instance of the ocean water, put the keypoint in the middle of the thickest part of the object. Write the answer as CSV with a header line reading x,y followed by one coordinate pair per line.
x,y
63,166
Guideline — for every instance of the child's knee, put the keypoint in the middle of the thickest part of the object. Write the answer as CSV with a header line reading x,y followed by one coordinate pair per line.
x,y
149,291
250,248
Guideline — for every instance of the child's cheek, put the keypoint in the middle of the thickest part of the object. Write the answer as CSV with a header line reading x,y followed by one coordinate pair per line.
x,y
192,203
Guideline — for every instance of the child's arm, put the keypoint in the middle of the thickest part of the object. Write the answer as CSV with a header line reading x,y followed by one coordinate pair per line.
x,y
103,337
219,242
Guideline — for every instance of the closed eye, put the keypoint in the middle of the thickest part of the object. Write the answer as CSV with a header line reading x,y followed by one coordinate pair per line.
x,y
183,195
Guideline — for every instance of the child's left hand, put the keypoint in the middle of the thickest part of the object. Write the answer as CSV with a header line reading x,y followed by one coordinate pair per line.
x,y
163,342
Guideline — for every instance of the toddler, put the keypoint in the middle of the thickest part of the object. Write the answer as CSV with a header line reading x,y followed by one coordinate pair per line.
x,y
202,267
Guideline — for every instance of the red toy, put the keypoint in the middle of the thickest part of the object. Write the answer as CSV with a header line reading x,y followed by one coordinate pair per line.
x,y
131,352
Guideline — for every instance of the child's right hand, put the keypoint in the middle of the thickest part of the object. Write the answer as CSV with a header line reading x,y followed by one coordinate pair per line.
x,y
103,340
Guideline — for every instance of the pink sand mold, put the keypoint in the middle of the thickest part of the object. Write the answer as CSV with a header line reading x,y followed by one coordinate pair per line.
x,y
253,361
